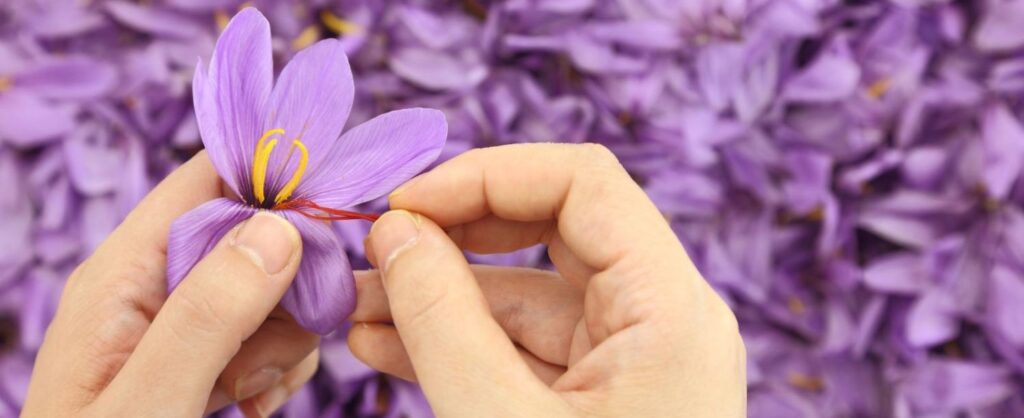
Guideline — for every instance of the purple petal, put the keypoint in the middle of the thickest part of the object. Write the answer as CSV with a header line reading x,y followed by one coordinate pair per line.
x,y
63,20
833,76
1002,27
196,232
29,121
948,386
933,319
323,293
1003,142
42,293
15,373
647,34
599,57
904,227
901,273
99,217
154,20
1005,307
373,158
341,365
437,70
230,99
839,330
550,6
201,5
16,221
311,100
302,404
925,166
93,167
811,174
76,77
435,31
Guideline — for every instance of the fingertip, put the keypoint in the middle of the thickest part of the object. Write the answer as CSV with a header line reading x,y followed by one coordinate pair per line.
x,y
395,195
269,241
392,234
380,347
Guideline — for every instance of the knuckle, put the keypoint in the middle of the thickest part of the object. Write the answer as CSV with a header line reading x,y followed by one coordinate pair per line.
x,y
599,156
423,313
197,316
511,318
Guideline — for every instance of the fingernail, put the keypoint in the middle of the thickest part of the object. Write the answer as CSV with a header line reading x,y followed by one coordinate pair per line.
x,y
269,240
368,251
218,400
403,188
394,232
271,400
258,381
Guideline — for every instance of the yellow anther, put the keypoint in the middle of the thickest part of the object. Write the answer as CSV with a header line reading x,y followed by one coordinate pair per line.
x,y
260,159
805,382
289,188
306,38
221,18
244,5
338,25
5,83
879,88
796,305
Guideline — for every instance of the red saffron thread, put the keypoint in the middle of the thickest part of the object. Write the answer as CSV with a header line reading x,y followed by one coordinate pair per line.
x,y
310,209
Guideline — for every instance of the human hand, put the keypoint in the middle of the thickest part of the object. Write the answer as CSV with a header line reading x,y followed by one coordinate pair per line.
x,y
119,346
626,328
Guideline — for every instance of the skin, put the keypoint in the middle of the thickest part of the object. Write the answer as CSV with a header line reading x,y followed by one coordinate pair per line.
x,y
625,327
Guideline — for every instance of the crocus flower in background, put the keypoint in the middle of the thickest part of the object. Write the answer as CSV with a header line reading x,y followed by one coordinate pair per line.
x,y
277,147
40,95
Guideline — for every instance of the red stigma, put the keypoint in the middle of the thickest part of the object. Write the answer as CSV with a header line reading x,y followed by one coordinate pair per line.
x,y
310,209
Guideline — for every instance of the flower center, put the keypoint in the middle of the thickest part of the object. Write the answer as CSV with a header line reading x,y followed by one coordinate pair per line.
x,y
5,83
261,159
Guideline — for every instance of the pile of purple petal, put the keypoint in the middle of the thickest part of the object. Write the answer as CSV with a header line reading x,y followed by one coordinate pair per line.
x,y
845,173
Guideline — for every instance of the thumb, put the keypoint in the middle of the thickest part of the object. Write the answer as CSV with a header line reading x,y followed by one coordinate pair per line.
x,y
201,326
459,353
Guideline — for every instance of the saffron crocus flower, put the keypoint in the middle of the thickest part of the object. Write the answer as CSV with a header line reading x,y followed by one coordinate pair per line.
x,y
277,147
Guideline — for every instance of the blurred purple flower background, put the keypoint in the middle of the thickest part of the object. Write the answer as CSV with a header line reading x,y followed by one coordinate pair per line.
x,y
845,173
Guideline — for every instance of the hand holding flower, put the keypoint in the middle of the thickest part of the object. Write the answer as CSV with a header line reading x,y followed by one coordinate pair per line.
x,y
119,346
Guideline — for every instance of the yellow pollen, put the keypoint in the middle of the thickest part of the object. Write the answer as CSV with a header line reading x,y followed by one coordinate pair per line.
x,y
286,192
805,382
259,162
796,305
5,83
338,25
306,38
879,88
221,19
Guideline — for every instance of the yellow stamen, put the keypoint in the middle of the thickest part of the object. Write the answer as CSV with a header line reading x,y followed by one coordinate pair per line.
x,y
260,160
796,305
805,382
306,38
879,88
286,192
339,25
221,19
5,83
244,5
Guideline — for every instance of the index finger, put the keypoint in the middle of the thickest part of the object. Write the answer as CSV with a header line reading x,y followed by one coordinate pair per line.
x,y
602,214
